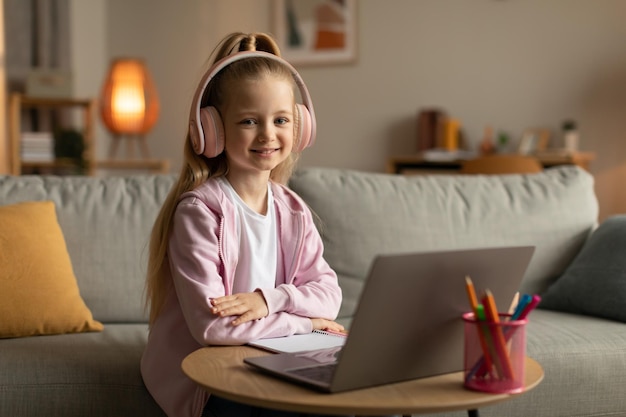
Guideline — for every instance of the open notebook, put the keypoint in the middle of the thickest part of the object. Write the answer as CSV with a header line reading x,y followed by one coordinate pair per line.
x,y
408,321
318,339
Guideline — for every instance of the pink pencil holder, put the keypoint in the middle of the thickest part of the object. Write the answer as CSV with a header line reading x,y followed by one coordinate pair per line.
x,y
494,354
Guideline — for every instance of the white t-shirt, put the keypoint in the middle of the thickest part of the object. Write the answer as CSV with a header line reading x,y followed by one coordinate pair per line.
x,y
257,243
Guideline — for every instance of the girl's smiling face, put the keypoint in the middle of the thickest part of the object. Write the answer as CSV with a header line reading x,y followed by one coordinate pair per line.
x,y
258,117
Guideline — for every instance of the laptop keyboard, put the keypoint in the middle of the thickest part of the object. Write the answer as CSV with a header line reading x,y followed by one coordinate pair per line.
x,y
321,373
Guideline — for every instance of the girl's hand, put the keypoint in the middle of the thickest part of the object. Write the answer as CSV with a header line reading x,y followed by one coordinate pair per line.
x,y
247,306
324,324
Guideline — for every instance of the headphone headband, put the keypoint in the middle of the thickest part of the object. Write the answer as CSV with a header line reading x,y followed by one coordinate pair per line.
x,y
196,131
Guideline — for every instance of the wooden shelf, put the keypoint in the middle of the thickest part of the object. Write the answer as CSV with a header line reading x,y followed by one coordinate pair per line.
x,y
419,164
157,166
19,102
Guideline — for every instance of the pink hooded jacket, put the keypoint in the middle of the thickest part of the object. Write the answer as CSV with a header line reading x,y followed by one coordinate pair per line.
x,y
202,254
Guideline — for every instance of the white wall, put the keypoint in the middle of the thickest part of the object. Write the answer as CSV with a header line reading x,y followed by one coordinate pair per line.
x,y
89,60
508,63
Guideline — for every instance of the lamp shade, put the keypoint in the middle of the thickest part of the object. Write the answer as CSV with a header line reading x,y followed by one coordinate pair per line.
x,y
129,103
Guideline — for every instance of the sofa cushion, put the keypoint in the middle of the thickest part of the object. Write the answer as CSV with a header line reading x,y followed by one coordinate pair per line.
x,y
38,290
583,360
365,214
106,223
595,282
82,374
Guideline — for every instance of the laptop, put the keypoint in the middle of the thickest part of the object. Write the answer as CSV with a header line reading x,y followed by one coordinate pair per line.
x,y
408,322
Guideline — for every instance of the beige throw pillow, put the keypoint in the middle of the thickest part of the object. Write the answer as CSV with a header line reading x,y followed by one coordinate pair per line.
x,y
38,290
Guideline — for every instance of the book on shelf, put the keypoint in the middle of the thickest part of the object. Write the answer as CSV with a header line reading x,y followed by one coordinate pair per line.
x,y
37,146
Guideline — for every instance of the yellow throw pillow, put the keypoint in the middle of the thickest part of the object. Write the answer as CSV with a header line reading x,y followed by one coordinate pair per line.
x,y
38,290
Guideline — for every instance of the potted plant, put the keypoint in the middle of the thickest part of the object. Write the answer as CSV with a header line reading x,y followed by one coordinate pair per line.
x,y
69,146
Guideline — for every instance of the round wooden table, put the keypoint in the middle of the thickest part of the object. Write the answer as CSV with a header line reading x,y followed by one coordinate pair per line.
x,y
221,371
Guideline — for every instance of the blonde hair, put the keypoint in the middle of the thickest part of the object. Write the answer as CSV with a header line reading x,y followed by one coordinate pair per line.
x,y
198,168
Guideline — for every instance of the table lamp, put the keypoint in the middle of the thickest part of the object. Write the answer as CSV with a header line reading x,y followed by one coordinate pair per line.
x,y
129,104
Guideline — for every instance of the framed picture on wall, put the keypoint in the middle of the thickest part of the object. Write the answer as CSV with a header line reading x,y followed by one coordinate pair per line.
x,y
313,32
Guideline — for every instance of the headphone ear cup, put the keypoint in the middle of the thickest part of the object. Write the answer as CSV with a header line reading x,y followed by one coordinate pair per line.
x,y
304,127
213,130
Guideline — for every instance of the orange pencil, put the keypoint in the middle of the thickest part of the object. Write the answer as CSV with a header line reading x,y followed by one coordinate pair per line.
x,y
478,316
471,293
484,338
491,312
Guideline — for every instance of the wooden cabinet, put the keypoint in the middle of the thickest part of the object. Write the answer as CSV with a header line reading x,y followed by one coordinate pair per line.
x,y
421,164
19,103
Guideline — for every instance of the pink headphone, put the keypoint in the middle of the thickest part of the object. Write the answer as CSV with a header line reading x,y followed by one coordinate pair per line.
x,y
206,128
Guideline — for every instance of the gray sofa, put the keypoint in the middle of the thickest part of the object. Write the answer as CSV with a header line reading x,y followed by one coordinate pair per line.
x,y
106,222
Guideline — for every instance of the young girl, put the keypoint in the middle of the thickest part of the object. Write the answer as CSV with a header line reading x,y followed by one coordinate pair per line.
x,y
234,254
